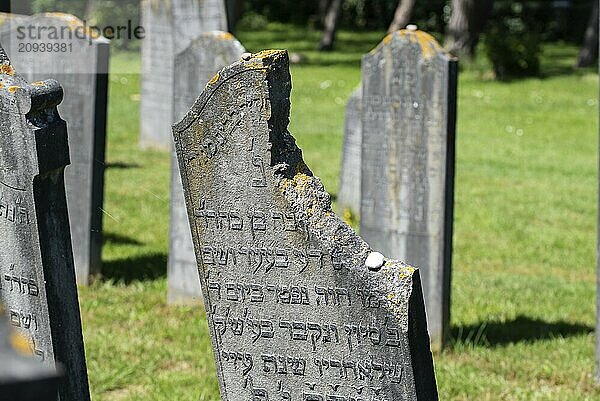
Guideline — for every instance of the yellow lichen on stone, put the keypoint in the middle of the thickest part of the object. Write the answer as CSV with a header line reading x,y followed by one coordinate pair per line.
x,y
38,83
7,69
214,79
20,344
13,89
1,85
225,36
429,46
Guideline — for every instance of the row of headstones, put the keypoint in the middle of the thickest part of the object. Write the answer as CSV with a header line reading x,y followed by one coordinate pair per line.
x,y
321,315
354,327
406,202
178,58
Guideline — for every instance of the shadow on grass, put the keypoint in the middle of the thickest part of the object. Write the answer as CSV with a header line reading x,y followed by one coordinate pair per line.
x,y
122,165
520,329
141,268
119,239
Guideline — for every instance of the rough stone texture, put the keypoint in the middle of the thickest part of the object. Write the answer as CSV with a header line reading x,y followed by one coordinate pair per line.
x,y
349,193
82,72
37,274
22,378
194,67
170,27
293,312
409,111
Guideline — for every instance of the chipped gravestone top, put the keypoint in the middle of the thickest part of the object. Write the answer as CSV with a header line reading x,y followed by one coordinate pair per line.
x,y
81,68
349,193
170,26
194,67
37,278
409,111
22,378
293,311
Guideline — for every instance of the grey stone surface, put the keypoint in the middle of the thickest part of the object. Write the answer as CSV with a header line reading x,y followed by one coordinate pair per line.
x,y
194,67
293,312
409,111
349,192
37,275
82,72
170,27
22,378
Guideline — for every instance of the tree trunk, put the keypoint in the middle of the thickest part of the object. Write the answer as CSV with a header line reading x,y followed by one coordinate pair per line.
x,y
589,50
402,16
234,12
466,24
332,18
322,12
90,8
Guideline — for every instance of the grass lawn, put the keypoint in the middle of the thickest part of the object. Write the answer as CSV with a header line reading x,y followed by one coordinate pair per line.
x,y
524,260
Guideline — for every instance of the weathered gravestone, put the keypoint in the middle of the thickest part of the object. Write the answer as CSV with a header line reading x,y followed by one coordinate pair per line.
x,y
37,276
22,378
194,67
349,192
80,64
170,26
409,111
293,311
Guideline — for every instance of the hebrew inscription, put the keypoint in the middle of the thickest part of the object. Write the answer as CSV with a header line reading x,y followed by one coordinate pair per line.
x,y
407,167
194,67
294,313
37,277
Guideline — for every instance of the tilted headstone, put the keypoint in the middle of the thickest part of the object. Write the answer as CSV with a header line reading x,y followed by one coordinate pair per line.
x,y
80,64
294,312
37,276
22,378
409,113
194,67
349,193
170,26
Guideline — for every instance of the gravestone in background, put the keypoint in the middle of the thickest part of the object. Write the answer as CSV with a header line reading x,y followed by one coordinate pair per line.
x,y
294,312
349,192
37,275
22,378
170,26
81,67
194,67
409,112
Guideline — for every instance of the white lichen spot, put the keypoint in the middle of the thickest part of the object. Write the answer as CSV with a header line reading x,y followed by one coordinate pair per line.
x,y
375,261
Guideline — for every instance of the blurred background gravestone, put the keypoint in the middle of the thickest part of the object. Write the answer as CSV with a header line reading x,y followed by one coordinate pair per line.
x,y
349,192
170,26
80,63
297,304
36,261
407,179
194,67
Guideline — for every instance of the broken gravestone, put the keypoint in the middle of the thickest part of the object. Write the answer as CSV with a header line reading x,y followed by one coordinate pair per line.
x,y
349,192
37,276
407,190
298,306
22,378
194,67
170,26
80,63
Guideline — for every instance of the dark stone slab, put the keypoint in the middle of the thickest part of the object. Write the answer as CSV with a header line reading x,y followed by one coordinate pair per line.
x,y
349,192
294,312
82,70
170,27
37,274
22,378
409,112
194,67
